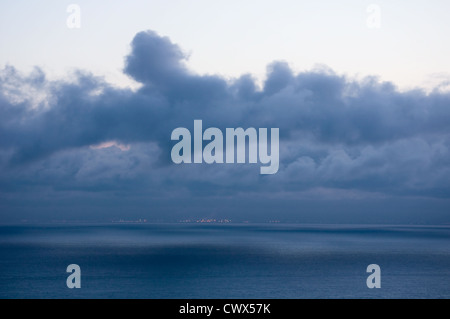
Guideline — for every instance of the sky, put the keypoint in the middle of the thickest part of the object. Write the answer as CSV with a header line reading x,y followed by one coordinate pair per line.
x,y
359,91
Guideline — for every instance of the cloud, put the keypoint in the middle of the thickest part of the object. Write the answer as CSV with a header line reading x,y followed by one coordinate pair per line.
x,y
336,133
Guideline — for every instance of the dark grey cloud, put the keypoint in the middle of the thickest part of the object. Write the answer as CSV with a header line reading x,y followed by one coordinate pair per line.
x,y
339,136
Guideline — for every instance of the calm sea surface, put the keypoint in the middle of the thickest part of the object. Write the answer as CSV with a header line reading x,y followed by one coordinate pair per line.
x,y
224,261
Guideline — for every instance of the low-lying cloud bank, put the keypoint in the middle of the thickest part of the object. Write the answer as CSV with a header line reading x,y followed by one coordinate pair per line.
x,y
338,134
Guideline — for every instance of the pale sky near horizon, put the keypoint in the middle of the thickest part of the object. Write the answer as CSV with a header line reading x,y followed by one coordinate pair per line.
x,y
233,37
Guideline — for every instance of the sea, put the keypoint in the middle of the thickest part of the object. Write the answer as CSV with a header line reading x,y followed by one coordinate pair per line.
x,y
222,261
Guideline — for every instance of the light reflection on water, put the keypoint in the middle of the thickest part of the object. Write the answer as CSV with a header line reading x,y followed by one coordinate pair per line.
x,y
224,261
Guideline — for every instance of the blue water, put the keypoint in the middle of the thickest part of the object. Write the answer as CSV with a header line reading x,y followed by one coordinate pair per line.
x,y
224,261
